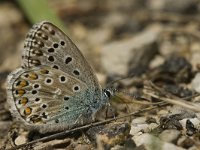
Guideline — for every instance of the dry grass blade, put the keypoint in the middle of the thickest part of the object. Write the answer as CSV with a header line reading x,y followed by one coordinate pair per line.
x,y
174,100
179,102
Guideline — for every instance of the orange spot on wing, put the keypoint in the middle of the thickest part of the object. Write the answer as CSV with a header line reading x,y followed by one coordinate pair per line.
x,y
27,111
22,83
20,92
44,71
33,76
24,101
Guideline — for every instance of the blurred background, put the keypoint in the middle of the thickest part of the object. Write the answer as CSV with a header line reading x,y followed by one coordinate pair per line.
x,y
155,40
107,32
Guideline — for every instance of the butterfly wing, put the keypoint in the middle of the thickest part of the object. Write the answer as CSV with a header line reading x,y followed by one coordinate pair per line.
x,y
46,44
43,96
47,47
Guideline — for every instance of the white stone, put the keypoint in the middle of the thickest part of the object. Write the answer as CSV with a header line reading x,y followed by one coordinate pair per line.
x,y
169,135
196,83
139,125
151,142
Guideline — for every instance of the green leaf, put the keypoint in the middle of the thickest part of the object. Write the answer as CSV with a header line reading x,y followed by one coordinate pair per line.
x,y
39,10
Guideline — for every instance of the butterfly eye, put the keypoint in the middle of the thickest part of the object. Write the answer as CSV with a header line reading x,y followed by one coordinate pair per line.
x,y
107,93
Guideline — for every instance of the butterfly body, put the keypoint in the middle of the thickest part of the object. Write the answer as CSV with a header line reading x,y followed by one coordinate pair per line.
x,y
55,89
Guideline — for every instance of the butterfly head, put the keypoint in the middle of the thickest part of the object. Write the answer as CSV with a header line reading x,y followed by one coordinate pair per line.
x,y
108,92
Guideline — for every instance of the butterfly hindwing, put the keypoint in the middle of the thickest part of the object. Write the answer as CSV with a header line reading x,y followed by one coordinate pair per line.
x,y
45,96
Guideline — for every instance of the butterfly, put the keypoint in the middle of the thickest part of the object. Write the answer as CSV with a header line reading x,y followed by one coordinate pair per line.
x,y
55,88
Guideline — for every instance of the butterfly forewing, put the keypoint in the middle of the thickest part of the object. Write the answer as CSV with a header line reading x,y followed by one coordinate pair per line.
x,y
45,44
